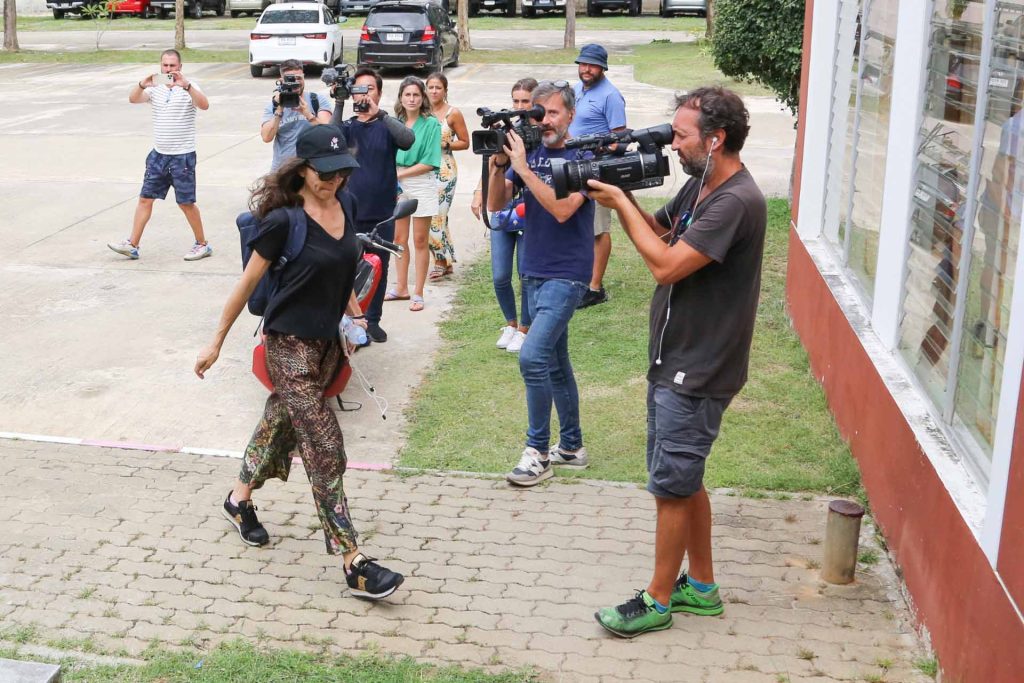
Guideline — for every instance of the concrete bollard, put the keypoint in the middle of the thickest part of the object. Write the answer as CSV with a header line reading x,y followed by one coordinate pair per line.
x,y
842,534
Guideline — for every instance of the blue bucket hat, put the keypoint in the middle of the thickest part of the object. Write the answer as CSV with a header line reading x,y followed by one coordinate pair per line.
x,y
592,53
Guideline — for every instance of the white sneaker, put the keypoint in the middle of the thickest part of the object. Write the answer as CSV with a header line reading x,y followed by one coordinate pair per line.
x,y
506,336
199,251
516,342
576,461
531,470
125,248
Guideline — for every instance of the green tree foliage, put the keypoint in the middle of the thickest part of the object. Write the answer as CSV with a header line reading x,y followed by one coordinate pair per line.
x,y
761,42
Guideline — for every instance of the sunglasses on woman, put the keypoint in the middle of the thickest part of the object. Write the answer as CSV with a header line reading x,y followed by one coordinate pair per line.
x,y
328,176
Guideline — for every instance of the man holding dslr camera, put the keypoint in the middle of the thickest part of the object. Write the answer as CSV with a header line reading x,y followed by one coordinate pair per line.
x,y
376,137
704,249
291,111
558,259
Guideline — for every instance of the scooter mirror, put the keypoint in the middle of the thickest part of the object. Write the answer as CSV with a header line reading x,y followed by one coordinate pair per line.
x,y
405,207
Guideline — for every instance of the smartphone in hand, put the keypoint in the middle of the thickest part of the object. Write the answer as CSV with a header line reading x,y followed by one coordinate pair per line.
x,y
163,79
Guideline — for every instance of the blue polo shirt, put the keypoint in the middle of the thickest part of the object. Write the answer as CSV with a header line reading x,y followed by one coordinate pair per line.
x,y
599,109
552,249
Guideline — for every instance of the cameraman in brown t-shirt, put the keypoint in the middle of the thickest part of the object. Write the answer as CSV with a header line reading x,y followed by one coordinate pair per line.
x,y
704,249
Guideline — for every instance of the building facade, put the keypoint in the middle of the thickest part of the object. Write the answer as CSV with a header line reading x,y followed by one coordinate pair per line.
x,y
904,253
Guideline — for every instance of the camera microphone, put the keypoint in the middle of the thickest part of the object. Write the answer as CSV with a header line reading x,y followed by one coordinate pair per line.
x,y
329,75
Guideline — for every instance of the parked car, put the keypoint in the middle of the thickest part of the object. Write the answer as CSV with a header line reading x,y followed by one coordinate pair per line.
x,y
250,7
193,8
506,7
349,7
304,31
416,33
667,8
131,8
633,7
62,7
531,7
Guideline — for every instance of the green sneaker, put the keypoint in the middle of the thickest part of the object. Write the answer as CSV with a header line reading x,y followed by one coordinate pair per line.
x,y
686,598
634,617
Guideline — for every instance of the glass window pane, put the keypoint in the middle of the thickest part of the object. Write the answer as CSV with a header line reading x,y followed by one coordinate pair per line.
x,y
878,37
940,199
997,231
841,126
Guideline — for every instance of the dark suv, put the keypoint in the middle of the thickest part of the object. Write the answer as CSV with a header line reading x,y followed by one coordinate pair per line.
x,y
416,33
193,8
506,7
633,7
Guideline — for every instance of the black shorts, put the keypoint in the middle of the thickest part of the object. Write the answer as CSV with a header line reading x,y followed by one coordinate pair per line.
x,y
680,432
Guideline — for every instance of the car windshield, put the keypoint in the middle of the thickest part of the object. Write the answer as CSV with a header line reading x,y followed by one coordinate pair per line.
x,y
291,16
397,18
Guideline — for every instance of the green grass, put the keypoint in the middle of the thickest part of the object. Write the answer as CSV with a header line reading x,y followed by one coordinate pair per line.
x,y
121,57
241,661
470,412
664,64
482,23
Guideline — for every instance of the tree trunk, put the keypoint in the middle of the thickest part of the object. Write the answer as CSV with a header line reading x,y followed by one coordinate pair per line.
x,y
463,20
709,19
10,26
570,25
179,24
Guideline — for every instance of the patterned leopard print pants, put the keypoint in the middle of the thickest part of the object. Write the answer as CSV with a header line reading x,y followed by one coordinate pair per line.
x,y
297,417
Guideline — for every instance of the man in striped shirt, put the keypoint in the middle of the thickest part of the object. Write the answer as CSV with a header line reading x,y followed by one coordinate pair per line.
x,y
173,100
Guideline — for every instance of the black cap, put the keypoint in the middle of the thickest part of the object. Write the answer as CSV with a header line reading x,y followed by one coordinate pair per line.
x,y
324,148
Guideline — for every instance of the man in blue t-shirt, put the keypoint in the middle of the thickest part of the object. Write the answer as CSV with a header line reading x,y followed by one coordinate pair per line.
x,y
558,257
282,125
600,108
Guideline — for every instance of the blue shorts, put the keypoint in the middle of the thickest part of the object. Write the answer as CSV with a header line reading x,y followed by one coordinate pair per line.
x,y
164,171
680,432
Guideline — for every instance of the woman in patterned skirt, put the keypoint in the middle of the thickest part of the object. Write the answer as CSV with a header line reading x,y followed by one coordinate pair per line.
x,y
454,137
303,349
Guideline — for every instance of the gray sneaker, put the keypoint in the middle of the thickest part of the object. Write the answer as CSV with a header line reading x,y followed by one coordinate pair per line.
x,y
125,248
531,470
199,251
573,460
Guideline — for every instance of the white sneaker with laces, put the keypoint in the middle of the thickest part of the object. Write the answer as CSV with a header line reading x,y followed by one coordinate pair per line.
x,y
573,460
516,343
125,248
531,469
507,333
199,251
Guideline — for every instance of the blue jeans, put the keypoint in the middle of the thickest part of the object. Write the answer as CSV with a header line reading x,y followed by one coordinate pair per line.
x,y
544,363
503,246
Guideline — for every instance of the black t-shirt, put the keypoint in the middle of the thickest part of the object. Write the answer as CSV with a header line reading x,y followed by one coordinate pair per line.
x,y
314,288
704,344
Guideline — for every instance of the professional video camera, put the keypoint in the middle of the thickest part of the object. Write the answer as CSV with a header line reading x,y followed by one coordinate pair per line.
x,y
494,138
645,166
290,88
344,85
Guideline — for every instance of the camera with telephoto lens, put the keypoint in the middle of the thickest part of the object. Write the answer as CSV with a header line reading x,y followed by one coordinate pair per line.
x,y
290,88
644,166
497,124
344,84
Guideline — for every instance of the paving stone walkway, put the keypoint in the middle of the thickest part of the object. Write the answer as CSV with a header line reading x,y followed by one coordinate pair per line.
x,y
128,547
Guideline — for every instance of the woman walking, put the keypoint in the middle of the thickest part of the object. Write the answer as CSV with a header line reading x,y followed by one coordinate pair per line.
x,y
417,177
302,346
454,138
506,250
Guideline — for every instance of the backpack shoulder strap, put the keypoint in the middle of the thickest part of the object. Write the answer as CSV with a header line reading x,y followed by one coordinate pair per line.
x,y
296,235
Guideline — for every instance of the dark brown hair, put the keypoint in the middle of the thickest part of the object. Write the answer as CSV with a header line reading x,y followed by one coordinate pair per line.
x,y
720,109
171,51
527,84
425,108
367,71
438,76
280,188
290,65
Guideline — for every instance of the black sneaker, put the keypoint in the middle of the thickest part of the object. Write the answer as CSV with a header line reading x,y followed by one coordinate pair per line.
x,y
593,297
375,333
243,517
367,579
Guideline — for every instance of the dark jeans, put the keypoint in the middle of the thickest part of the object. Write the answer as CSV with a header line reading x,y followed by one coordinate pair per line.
x,y
505,245
544,363
387,231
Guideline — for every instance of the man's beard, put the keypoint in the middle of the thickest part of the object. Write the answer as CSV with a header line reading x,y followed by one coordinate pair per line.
x,y
553,136
699,167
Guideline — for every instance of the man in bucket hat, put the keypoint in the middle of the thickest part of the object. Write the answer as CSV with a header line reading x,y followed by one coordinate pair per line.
x,y
600,108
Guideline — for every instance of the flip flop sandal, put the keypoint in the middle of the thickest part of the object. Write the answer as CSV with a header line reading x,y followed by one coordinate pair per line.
x,y
392,295
417,304
437,273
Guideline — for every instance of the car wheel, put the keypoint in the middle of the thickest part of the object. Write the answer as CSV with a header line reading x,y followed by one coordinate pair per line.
x,y
510,8
161,13
195,10
58,14
222,8
255,71
636,8
455,58
663,11
235,14
529,12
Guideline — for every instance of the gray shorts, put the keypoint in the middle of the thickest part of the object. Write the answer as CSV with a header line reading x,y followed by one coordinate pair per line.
x,y
602,219
680,432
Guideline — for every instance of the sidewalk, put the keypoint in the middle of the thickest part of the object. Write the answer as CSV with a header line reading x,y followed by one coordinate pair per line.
x,y
129,547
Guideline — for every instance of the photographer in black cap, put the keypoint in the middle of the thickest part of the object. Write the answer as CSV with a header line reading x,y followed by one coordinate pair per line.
x,y
303,349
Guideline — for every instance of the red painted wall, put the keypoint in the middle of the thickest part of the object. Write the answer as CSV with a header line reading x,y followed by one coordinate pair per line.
x,y
974,628
1011,547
